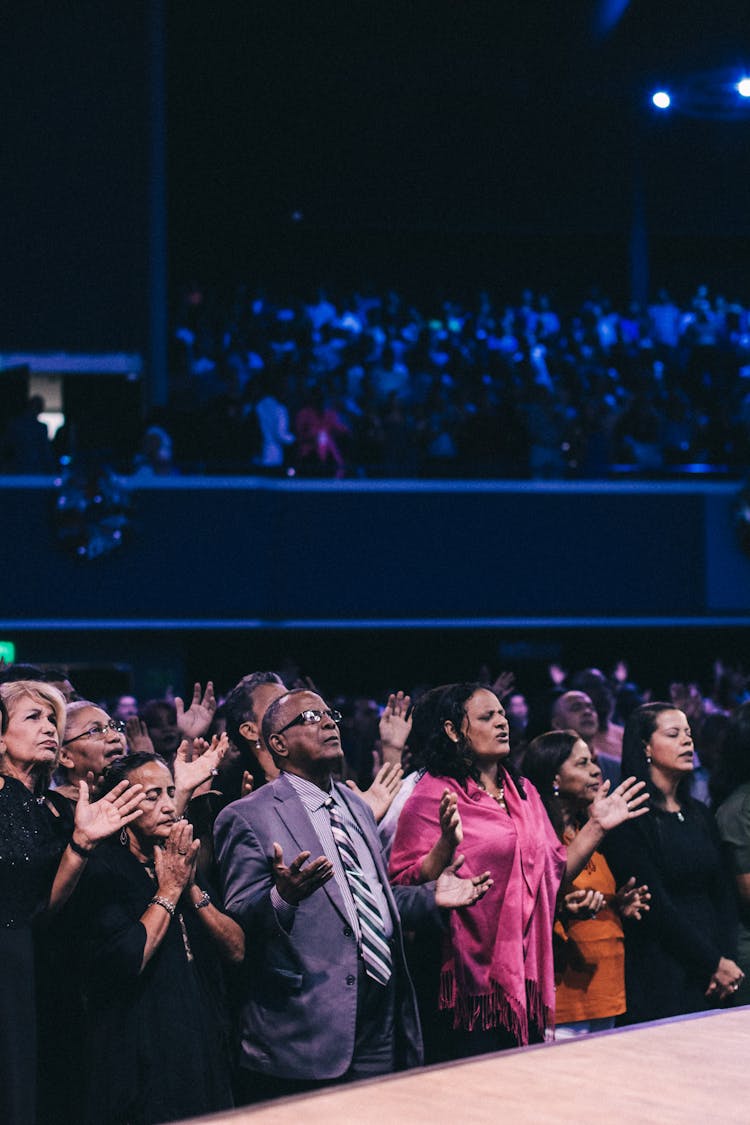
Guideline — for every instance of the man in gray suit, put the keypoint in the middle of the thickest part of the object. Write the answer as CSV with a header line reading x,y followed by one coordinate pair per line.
x,y
328,995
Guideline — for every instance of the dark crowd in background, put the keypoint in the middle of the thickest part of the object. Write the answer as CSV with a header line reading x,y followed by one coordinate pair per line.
x,y
369,384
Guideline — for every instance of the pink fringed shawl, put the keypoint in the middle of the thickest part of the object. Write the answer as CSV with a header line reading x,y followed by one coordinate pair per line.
x,y
497,965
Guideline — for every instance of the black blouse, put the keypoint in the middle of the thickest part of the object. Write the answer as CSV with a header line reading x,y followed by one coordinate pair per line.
x,y
672,952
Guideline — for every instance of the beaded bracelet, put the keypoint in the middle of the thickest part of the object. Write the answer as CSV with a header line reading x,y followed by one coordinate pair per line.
x,y
84,853
168,906
203,901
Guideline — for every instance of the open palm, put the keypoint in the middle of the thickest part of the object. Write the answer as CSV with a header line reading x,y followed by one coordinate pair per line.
x,y
100,819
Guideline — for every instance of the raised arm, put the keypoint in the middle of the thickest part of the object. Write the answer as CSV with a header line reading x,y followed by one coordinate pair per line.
x,y
428,832
394,727
195,721
442,852
195,765
383,791
94,822
627,802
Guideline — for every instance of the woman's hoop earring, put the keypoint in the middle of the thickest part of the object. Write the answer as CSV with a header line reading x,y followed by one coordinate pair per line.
x,y
124,837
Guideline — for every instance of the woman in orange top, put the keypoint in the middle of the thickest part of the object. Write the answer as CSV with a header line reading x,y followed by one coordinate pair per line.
x,y
589,945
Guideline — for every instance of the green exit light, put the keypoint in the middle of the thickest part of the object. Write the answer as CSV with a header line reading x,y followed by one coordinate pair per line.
x,y
7,652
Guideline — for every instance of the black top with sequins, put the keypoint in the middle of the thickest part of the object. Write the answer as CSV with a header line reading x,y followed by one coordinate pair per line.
x,y
30,849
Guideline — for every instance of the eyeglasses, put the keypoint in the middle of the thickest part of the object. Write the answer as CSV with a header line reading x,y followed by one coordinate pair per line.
x,y
306,717
97,730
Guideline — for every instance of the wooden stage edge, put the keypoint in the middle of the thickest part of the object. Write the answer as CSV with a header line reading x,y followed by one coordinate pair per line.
x,y
691,1069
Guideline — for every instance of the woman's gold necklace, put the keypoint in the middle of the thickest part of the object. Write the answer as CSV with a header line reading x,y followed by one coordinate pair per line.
x,y
499,797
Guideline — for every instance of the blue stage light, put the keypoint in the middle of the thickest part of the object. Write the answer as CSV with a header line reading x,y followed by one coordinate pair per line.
x,y
743,88
661,99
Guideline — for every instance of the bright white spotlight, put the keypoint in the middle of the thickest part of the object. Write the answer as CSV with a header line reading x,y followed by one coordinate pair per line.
x,y
661,99
743,88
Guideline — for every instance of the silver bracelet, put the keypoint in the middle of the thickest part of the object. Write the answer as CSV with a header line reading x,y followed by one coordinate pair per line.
x,y
168,906
203,901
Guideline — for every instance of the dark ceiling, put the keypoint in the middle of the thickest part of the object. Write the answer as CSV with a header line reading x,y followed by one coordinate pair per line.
x,y
299,129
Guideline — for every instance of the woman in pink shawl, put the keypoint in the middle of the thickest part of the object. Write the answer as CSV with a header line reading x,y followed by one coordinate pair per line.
x,y
497,979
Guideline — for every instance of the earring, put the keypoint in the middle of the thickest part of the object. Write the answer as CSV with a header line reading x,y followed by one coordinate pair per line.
x,y
124,837
555,789
648,758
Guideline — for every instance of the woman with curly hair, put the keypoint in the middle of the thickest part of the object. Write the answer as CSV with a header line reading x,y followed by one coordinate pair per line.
x,y
497,979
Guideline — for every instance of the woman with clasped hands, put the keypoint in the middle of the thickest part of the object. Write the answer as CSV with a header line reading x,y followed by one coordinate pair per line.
x,y
155,942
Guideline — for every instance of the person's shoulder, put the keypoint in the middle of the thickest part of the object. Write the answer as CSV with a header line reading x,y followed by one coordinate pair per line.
x,y
12,787
700,811
245,808
743,797
631,833
531,791
110,856
428,784
737,803
354,800
15,801
428,791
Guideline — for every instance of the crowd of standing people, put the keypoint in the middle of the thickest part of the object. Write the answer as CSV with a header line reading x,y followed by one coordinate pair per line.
x,y
215,901
371,384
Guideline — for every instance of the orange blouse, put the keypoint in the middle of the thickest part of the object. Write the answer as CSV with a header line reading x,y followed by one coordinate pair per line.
x,y
590,954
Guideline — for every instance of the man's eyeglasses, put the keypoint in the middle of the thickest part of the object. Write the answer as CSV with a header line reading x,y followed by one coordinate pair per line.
x,y
305,717
97,730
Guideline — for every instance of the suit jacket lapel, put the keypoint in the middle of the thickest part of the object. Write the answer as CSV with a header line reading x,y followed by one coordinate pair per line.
x,y
297,823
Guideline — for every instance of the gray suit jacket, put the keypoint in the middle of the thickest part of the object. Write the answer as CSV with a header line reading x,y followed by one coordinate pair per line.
x,y
299,1014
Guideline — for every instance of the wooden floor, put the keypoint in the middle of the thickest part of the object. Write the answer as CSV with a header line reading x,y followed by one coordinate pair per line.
x,y
696,1069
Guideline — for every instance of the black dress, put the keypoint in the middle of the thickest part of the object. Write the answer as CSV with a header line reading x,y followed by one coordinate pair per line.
x,y
30,849
157,1043
672,952
59,1003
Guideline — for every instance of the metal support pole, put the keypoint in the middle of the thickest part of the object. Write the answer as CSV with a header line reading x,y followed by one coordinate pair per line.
x,y
157,376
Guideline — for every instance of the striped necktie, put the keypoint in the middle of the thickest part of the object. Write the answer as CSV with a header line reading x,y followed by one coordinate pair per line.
x,y
376,952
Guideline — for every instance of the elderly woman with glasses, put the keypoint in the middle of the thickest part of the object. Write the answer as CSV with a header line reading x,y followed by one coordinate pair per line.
x,y
91,740
41,861
90,743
